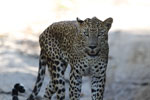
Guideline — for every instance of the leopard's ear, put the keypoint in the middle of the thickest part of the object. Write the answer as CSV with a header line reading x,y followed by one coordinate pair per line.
x,y
108,22
79,20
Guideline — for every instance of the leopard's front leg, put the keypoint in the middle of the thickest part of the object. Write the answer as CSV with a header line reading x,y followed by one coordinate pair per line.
x,y
75,85
98,86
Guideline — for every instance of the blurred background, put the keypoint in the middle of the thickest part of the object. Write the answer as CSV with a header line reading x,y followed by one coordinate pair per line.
x,y
128,72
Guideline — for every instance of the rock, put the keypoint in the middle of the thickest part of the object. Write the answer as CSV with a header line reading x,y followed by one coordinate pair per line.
x,y
142,93
129,67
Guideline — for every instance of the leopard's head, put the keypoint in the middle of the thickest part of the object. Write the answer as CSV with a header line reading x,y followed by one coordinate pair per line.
x,y
93,35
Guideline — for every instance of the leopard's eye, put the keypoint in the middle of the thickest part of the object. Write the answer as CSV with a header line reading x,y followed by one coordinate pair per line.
x,y
101,33
86,34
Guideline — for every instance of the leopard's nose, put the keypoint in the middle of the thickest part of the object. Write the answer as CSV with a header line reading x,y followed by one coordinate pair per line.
x,y
92,47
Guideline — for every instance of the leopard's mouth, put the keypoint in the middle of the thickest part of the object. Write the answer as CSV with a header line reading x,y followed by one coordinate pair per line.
x,y
92,53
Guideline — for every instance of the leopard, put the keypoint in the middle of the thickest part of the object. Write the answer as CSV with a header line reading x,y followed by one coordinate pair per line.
x,y
82,44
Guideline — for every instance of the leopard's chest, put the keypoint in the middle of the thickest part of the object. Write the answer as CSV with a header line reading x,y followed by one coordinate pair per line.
x,y
89,67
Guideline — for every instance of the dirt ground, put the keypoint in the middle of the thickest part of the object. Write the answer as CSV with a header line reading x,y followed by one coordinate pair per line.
x,y
128,73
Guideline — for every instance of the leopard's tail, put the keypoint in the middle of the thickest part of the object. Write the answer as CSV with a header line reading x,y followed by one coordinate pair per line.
x,y
17,88
38,83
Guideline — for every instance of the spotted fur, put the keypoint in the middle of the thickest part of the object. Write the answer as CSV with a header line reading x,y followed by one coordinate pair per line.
x,y
17,88
84,45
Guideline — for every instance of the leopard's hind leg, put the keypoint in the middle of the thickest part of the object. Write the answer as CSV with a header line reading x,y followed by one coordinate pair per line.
x,y
49,91
57,84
